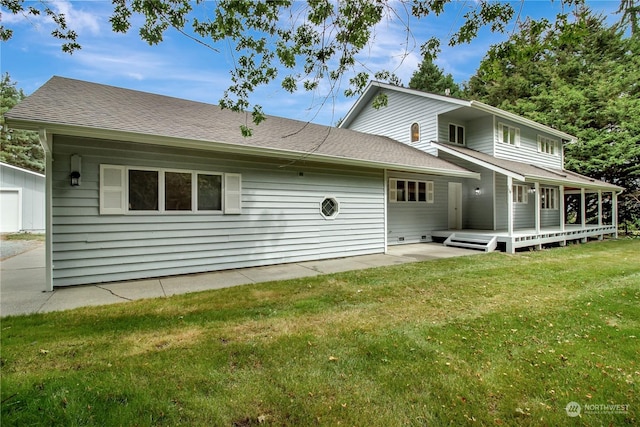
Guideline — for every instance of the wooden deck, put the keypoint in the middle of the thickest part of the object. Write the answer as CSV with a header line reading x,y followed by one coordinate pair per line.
x,y
522,238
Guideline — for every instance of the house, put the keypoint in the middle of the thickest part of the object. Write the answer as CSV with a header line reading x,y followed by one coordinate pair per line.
x,y
21,200
140,185
524,198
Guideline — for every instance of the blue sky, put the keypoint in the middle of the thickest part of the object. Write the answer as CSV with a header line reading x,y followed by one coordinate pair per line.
x,y
182,68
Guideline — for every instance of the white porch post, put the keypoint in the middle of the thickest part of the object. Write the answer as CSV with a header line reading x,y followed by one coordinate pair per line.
x,y
614,212
599,208
385,186
600,236
563,208
46,141
510,205
510,249
583,210
583,214
563,213
536,197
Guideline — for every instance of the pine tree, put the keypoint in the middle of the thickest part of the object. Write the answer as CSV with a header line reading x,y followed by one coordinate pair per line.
x,y
19,147
431,78
581,77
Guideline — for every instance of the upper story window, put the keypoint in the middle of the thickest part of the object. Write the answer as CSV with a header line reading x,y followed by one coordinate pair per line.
x,y
415,132
508,134
548,145
126,190
456,134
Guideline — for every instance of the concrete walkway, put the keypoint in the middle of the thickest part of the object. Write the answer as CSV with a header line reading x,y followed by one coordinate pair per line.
x,y
22,279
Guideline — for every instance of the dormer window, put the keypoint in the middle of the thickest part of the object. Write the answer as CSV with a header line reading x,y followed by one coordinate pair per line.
x,y
415,132
456,134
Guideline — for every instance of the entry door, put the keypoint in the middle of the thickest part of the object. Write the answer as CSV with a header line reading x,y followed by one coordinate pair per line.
x,y
455,206
9,210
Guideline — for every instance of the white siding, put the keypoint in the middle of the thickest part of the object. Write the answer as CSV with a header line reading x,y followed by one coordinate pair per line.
x,y
32,195
480,135
524,213
501,202
410,221
280,220
527,152
477,210
395,120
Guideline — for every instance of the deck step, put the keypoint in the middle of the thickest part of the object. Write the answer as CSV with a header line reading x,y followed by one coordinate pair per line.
x,y
482,242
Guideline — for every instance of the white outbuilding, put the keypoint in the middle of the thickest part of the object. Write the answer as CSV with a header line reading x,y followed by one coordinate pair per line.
x,y
22,200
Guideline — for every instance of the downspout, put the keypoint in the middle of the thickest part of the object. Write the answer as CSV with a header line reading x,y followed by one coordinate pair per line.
x,y
46,141
385,184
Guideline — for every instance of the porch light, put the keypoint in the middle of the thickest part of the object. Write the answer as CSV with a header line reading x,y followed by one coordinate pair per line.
x,y
75,178
477,191
532,190
76,168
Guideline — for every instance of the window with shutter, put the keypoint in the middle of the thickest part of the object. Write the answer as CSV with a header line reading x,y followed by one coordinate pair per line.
x,y
112,190
232,193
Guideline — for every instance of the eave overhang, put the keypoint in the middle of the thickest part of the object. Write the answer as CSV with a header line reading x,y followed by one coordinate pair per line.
x,y
223,147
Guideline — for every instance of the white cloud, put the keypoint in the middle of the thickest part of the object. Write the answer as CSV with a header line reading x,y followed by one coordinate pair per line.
x,y
77,19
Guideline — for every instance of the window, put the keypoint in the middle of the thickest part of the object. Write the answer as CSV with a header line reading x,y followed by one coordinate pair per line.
x,y
209,192
520,194
508,134
547,145
411,191
143,190
415,132
456,134
329,208
548,198
148,190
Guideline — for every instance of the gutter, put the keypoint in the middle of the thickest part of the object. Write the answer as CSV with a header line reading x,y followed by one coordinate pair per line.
x,y
206,145
478,162
514,117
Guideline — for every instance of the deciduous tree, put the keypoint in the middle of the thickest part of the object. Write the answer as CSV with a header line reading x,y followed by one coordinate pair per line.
x,y
299,44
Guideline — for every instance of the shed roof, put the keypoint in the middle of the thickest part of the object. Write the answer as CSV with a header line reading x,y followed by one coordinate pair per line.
x,y
526,171
75,107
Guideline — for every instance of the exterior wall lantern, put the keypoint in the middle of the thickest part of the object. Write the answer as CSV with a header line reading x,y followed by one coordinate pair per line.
x,y
76,168
532,190
477,191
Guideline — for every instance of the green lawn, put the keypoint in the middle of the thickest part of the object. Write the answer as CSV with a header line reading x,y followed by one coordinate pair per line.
x,y
490,339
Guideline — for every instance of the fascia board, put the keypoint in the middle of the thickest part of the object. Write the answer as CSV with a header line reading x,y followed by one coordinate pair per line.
x,y
596,185
241,149
358,105
39,175
515,118
478,162
367,94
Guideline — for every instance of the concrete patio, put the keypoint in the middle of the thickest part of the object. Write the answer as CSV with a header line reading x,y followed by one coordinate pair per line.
x,y
22,278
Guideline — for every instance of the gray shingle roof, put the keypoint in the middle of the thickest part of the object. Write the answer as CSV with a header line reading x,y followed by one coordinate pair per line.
x,y
64,104
532,172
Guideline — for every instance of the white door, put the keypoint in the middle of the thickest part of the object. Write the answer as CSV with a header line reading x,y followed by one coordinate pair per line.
x,y
455,206
10,220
